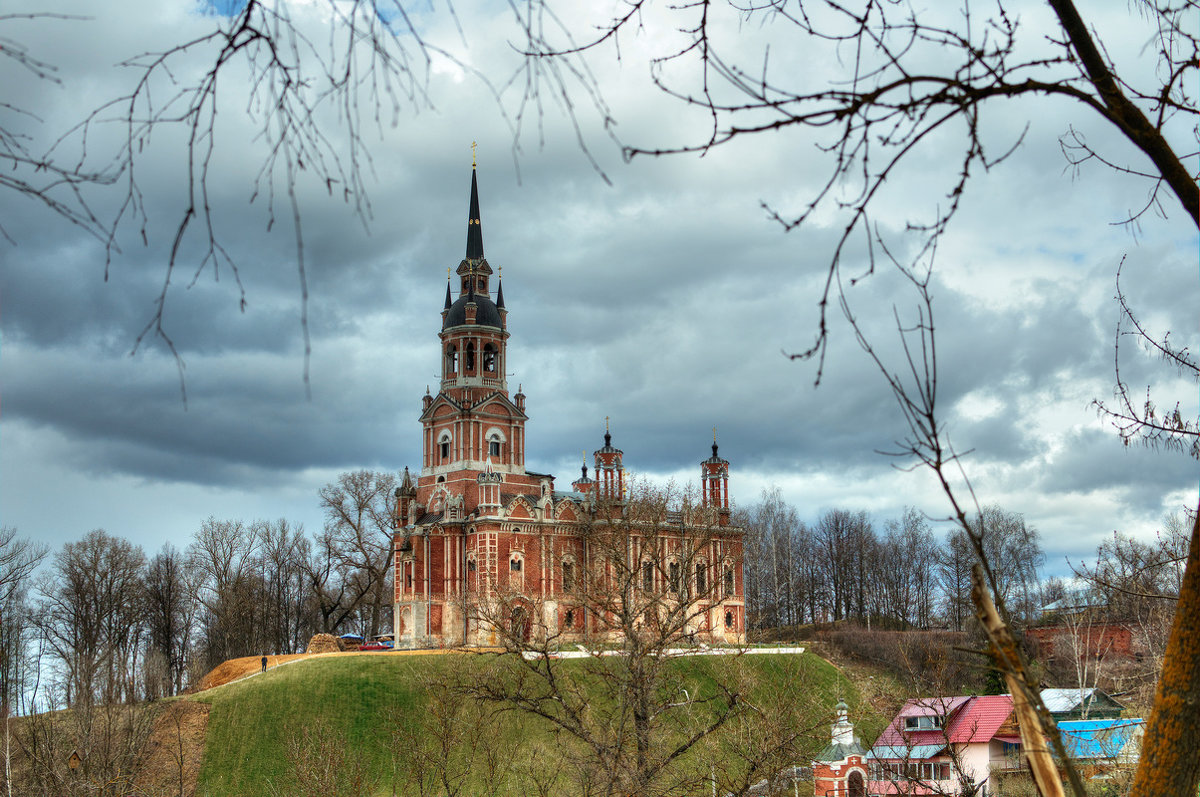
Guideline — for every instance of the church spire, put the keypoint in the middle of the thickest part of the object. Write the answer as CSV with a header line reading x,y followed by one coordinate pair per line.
x,y
474,230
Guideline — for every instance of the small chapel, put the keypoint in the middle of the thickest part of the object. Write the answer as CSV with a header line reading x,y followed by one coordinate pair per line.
x,y
486,550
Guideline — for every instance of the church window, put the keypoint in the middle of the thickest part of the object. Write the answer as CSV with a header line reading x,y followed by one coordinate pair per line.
x,y
673,576
647,576
489,358
471,565
729,619
494,446
701,578
470,355
445,449
408,579
451,360
568,576
728,582
569,618
514,564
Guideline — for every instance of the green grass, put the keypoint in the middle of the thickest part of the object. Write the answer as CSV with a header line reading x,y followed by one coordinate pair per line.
x,y
362,699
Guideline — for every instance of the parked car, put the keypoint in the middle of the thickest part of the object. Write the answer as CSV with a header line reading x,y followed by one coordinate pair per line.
x,y
376,644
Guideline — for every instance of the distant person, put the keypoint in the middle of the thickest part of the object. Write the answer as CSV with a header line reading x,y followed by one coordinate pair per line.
x,y
264,662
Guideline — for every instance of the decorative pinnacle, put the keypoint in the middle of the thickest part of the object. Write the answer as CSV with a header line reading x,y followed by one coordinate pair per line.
x,y
473,145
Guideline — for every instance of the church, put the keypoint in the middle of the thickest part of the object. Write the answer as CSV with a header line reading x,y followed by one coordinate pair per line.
x,y
487,552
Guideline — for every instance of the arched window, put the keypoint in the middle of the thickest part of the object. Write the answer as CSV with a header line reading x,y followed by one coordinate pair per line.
x,y
470,355
489,358
648,576
701,579
451,360
728,587
729,619
569,619
444,446
494,445
673,576
568,575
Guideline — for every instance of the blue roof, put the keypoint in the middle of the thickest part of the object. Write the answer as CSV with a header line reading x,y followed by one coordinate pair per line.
x,y
1085,739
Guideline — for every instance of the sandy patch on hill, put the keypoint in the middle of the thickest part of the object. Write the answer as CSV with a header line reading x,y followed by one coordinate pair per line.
x,y
171,756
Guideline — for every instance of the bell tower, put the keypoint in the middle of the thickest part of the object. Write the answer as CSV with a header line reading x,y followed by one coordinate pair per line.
x,y
714,482
472,425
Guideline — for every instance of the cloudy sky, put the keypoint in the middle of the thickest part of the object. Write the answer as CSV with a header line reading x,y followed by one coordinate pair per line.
x,y
660,294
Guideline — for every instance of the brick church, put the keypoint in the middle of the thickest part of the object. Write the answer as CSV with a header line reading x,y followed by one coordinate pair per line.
x,y
486,550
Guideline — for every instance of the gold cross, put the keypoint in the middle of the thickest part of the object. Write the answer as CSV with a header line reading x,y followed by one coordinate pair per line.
x,y
606,423
714,434
473,145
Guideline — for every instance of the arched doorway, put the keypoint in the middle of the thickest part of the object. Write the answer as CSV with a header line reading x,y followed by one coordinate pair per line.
x,y
520,623
856,785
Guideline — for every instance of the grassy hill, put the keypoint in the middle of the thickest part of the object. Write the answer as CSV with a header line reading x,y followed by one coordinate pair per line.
x,y
379,724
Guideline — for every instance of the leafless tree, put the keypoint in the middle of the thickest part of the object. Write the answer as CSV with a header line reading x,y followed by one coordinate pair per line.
x,y
910,75
170,617
18,559
904,575
456,745
224,555
649,576
91,614
322,763
288,615
359,508
108,739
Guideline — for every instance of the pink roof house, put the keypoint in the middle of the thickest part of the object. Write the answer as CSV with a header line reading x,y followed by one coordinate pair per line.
x,y
939,745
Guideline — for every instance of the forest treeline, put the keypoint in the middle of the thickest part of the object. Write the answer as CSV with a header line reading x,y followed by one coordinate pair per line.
x,y
100,621
903,575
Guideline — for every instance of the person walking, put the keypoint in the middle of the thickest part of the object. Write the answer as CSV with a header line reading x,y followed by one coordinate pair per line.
x,y
264,662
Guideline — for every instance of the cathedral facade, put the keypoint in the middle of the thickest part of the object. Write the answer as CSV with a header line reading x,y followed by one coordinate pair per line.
x,y
486,551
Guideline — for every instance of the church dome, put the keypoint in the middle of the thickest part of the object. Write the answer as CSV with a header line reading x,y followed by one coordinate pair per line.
x,y
486,312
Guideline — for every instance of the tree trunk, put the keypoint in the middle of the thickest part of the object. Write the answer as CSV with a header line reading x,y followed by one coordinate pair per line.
x,y
1170,762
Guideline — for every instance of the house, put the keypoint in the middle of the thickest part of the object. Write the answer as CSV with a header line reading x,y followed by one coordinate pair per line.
x,y
941,744
486,549
1077,704
1102,744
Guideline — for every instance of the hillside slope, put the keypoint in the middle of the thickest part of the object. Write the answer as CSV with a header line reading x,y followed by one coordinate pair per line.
x,y
341,723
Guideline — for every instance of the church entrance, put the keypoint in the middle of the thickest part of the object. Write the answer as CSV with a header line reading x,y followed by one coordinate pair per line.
x,y
520,624
855,782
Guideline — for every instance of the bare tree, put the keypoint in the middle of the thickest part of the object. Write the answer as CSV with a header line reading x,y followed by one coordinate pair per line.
x,y
359,508
224,556
170,617
288,616
652,572
911,74
19,557
91,614
954,578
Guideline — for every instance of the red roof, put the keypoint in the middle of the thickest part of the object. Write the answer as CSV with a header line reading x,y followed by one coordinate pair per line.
x,y
968,719
981,718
